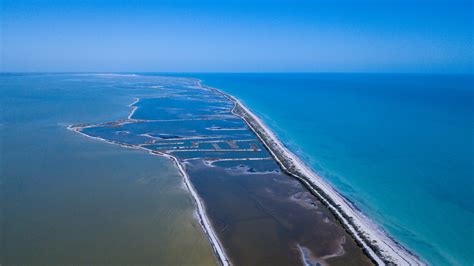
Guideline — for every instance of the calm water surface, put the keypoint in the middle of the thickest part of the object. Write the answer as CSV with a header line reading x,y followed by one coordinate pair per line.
x,y
400,146
261,215
69,199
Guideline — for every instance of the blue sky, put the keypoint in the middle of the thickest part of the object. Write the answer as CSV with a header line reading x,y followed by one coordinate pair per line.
x,y
237,36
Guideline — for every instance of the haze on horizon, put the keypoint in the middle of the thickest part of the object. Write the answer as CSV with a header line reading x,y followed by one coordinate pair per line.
x,y
237,36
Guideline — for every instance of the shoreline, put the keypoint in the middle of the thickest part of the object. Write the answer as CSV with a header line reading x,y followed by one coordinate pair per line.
x,y
200,211
376,242
385,250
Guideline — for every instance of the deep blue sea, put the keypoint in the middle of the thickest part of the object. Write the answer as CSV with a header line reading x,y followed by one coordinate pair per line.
x,y
398,145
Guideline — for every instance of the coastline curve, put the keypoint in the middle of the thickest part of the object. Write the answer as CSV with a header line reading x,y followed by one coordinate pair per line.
x,y
379,245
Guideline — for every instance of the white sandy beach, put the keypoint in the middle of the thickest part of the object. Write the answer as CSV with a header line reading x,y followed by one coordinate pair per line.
x,y
361,225
389,249
200,207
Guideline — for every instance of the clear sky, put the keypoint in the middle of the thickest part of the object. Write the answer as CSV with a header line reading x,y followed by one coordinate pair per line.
x,y
237,36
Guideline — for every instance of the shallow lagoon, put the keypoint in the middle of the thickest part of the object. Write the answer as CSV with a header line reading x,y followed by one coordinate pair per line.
x,y
261,215
68,199
398,145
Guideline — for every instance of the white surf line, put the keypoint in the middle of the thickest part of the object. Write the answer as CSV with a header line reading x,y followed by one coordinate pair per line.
x,y
204,221
201,209
134,102
389,249
134,108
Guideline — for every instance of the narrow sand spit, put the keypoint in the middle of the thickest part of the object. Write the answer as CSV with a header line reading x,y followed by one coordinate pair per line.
x,y
201,210
382,248
376,242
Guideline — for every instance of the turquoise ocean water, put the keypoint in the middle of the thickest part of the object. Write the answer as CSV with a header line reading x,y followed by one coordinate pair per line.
x,y
400,146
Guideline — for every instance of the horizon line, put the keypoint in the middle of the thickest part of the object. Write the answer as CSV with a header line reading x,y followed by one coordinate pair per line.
x,y
235,72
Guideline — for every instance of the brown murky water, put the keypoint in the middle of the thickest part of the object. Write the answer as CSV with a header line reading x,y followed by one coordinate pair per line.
x,y
70,200
265,217
262,216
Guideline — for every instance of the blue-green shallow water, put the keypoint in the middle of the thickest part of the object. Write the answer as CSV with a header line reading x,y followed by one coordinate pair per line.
x,y
400,146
